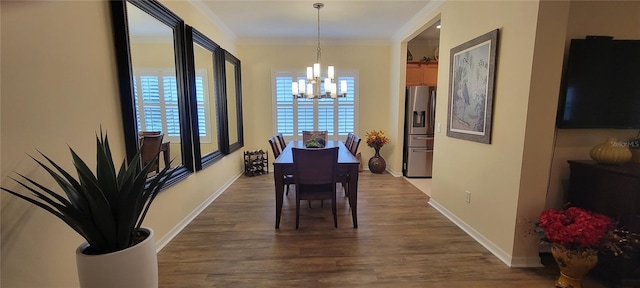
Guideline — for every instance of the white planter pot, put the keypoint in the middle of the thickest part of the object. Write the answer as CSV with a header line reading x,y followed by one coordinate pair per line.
x,y
135,266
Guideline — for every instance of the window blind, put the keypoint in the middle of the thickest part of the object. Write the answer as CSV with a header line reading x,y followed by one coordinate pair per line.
x,y
337,117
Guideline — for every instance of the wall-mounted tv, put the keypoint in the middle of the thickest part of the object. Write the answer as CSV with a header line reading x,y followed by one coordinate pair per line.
x,y
601,84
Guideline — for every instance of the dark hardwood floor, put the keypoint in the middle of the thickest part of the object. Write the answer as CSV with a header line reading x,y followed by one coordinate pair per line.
x,y
401,242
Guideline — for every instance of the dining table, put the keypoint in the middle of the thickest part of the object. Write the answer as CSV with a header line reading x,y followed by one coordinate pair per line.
x,y
348,164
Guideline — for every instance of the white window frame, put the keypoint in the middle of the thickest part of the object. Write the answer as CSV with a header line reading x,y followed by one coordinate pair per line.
x,y
298,74
208,96
160,73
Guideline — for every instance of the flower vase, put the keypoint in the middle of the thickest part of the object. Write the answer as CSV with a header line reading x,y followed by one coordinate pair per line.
x,y
376,163
136,266
573,264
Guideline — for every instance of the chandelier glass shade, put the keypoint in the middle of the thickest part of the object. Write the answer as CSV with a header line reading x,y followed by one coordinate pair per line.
x,y
311,87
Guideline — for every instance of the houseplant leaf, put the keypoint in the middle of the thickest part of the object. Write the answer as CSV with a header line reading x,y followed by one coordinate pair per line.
x,y
107,207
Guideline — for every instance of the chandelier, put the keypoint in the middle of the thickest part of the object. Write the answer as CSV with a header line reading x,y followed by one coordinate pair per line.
x,y
311,87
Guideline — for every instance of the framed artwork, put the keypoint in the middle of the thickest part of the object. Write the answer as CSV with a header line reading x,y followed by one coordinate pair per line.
x,y
472,74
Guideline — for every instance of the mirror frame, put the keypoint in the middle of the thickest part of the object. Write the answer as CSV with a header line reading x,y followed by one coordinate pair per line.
x,y
125,79
193,37
231,147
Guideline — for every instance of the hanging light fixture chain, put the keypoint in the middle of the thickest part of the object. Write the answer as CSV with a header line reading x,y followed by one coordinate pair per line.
x,y
311,86
318,52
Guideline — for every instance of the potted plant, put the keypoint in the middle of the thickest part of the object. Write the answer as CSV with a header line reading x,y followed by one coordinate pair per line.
x,y
107,209
577,235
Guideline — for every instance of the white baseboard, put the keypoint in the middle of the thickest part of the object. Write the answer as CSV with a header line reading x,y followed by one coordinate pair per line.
x,y
394,173
526,262
507,259
178,228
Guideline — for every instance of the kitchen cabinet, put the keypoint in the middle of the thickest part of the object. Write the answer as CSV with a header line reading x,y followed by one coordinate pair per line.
x,y
422,73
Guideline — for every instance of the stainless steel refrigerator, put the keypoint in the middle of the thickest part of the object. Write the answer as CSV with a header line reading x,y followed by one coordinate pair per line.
x,y
419,126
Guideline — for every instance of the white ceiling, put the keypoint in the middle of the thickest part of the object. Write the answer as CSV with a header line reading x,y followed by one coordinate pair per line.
x,y
296,21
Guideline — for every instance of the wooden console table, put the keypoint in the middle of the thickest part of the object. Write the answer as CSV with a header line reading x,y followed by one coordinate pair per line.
x,y
613,190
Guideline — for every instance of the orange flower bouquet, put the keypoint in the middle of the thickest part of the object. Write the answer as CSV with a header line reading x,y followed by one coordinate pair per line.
x,y
376,139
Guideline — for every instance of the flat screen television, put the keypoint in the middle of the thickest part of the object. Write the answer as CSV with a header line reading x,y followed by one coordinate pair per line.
x,y
601,85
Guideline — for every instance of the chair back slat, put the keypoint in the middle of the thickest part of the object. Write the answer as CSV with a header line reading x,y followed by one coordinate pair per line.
x,y
144,133
274,147
150,145
315,166
354,145
347,143
281,141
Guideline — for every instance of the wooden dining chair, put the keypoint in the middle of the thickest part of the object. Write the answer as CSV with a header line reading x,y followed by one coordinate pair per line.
x,y
347,143
281,141
150,148
143,133
288,178
274,147
353,148
315,177
344,178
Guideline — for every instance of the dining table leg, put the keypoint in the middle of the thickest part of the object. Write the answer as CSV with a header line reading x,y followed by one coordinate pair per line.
x,y
353,193
279,183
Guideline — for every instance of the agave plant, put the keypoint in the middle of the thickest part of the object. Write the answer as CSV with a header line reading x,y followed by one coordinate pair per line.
x,y
105,208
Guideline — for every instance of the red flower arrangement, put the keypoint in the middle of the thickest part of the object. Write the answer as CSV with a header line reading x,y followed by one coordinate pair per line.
x,y
578,229
574,227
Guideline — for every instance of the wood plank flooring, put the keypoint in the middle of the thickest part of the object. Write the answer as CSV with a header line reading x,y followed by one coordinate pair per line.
x,y
401,242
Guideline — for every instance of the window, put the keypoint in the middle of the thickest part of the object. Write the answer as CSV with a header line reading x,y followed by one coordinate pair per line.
x,y
202,103
156,101
293,116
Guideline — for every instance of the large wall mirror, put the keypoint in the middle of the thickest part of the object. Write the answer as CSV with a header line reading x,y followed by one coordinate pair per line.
x,y
150,52
204,67
233,102
176,82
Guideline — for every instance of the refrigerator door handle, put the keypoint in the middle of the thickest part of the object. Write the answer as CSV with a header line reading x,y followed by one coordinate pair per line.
x,y
433,109
421,150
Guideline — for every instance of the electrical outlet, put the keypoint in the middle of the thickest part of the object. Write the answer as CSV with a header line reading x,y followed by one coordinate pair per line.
x,y
438,128
467,197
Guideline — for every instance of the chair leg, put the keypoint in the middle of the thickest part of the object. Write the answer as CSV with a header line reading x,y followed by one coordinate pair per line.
x,y
287,193
297,212
345,186
333,209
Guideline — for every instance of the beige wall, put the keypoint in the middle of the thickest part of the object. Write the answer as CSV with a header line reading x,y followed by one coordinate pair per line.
x,y
419,50
491,172
370,62
620,19
525,166
541,113
74,72
59,87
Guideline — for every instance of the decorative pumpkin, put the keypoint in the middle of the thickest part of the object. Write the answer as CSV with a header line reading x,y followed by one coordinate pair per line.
x,y
611,151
